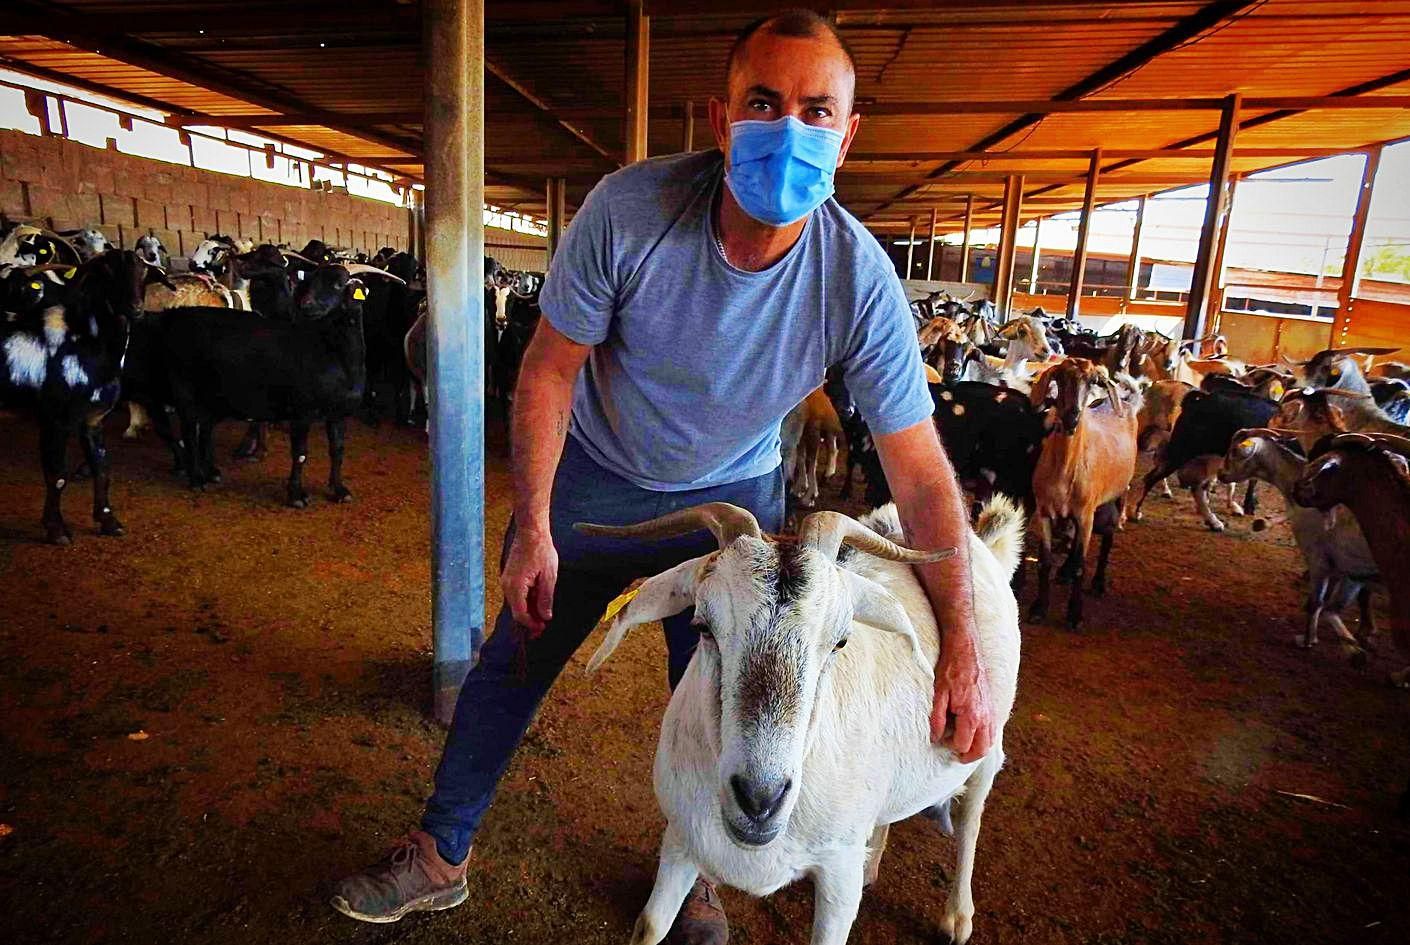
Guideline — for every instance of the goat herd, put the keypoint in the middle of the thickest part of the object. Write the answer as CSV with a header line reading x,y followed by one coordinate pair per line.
x,y
1054,416
256,333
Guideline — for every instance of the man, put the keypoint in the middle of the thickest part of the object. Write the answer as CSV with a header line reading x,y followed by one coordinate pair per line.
x,y
695,300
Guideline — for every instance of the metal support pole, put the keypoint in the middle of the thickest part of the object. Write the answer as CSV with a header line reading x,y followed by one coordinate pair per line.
x,y
1133,263
1215,304
1202,280
688,128
555,190
638,63
930,245
1084,231
911,249
454,40
1351,265
1033,264
964,247
1008,244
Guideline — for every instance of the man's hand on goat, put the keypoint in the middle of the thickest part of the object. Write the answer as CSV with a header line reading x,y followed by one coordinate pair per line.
x,y
529,577
962,694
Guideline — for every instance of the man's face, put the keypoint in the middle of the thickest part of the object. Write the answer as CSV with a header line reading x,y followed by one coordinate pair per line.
x,y
775,76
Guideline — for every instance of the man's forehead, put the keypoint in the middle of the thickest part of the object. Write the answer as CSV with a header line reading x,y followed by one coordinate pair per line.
x,y
826,67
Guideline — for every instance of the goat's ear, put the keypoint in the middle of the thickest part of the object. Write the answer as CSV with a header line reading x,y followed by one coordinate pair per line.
x,y
662,596
932,376
874,606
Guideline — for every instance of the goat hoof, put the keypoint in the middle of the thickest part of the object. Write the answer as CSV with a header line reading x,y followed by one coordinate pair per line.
x,y
1215,527
58,535
1037,614
1099,588
1303,643
111,527
213,476
958,927
298,500
339,494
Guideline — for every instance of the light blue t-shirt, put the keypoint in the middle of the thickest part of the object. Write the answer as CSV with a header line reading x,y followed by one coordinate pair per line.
x,y
694,362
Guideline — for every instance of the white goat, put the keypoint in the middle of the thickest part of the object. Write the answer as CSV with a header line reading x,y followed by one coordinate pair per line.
x,y
784,755
1027,341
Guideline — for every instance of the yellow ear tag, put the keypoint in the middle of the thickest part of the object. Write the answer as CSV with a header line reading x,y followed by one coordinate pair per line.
x,y
1246,444
1335,372
618,603
1275,391
70,272
36,285
932,376
359,294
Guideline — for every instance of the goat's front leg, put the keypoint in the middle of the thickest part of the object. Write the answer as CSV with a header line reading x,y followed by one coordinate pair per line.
x,y
1250,499
1201,493
1368,618
253,446
958,920
97,455
837,892
1156,475
1165,488
1080,543
206,438
53,456
1316,599
1108,517
298,455
1039,610
675,875
337,491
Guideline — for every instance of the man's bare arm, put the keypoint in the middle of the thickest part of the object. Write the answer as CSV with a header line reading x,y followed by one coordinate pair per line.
x,y
542,401
931,507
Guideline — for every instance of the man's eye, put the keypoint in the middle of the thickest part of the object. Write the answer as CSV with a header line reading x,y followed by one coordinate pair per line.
x,y
819,113
759,105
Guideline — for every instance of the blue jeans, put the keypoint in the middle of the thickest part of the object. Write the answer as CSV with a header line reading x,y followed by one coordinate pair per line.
x,y
503,692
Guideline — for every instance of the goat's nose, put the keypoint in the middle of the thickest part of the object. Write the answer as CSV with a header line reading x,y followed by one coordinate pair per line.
x,y
759,800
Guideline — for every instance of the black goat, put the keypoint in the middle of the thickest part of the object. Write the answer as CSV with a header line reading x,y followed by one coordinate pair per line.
x,y
63,355
387,316
522,318
212,364
1207,424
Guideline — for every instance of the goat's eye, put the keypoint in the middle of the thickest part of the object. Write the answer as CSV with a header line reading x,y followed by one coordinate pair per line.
x,y
840,644
703,629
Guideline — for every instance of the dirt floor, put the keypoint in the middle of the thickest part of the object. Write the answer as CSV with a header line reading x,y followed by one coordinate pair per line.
x,y
207,721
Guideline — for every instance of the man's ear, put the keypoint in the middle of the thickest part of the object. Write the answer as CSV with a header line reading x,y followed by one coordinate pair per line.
x,y
659,597
719,124
853,121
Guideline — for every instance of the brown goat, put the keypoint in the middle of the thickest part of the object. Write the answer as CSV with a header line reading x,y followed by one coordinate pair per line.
x,y
811,432
1085,467
191,289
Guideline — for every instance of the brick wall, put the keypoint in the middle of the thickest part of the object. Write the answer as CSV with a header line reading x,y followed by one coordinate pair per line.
x,y
62,184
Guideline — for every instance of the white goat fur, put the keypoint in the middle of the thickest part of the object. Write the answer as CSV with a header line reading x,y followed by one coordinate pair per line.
x,y
861,757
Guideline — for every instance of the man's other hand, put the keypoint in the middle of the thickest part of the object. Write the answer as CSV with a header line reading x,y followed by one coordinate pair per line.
x,y
529,578
962,694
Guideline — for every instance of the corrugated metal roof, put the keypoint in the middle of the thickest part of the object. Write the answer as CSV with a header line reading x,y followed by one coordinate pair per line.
x,y
347,79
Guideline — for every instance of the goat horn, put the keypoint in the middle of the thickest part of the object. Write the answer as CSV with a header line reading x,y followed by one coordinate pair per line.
x,y
725,521
290,254
1339,392
1361,350
827,532
355,269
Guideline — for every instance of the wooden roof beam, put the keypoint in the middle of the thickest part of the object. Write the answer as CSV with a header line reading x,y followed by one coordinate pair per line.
x,y
1362,88
1080,154
524,92
28,17
1186,30
1045,107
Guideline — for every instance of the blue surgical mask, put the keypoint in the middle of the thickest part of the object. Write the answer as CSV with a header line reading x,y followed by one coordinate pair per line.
x,y
781,171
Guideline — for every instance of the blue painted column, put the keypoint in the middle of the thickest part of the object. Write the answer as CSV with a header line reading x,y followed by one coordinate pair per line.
x,y
454,49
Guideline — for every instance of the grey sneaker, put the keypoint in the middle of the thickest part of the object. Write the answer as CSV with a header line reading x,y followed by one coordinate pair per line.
x,y
411,878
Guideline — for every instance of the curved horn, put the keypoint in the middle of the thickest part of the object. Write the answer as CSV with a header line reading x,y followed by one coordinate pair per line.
x,y
290,254
726,522
827,532
355,269
1363,350
1339,392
